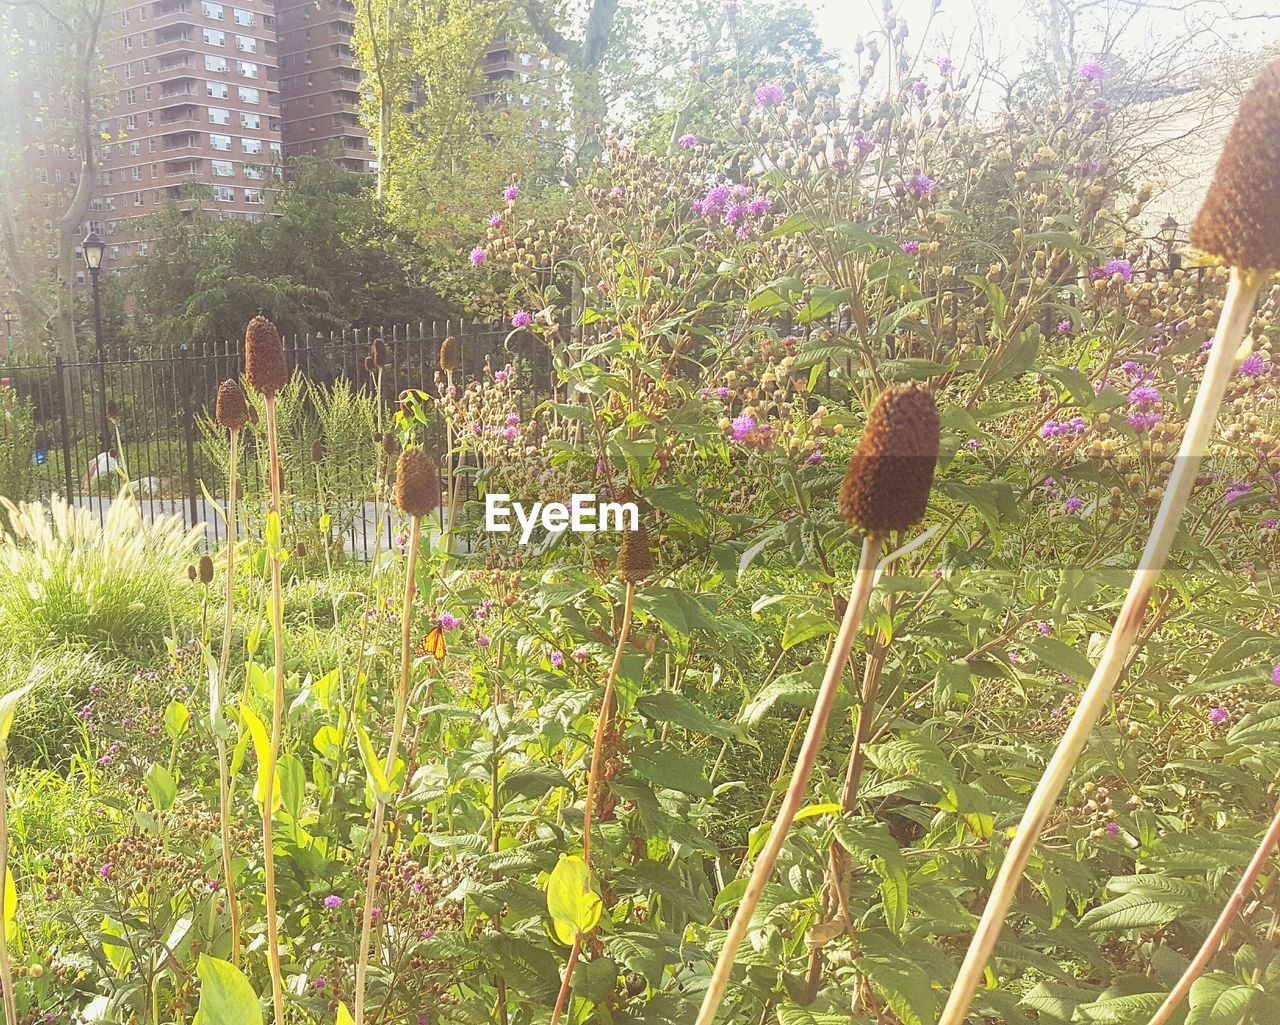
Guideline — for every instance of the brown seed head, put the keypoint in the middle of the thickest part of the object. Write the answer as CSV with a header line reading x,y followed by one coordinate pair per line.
x,y
635,559
417,485
317,451
193,574
1240,219
264,358
113,412
206,569
886,486
231,409
450,354
391,443
253,416
378,353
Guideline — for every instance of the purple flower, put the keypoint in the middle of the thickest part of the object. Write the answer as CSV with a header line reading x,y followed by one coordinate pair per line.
x,y
759,207
1143,421
741,427
910,248
1237,490
1043,628
1113,829
511,193
478,255
1074,504
716,197
919,88
483,641
1092,71
449,622
319,982
495,220
105,870
1064,326
1275,674
510,433
769,95
557,660
815,457
1144,395
743,230
333,902
521,318
735,213
1253,365
864,145
945,66
688,141
1090,168
920,185
580,655
722,393
1122,267
1218,715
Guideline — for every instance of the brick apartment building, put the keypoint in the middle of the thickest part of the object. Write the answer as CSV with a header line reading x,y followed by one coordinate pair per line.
x,y
207,99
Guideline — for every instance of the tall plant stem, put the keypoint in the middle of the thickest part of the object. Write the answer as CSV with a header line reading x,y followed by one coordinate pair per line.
x,y
1213,942
6,970
220,742
1237,311
397,731
863,582
602,723
277,728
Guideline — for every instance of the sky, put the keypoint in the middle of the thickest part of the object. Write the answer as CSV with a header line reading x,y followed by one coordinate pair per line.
x,y
1007,31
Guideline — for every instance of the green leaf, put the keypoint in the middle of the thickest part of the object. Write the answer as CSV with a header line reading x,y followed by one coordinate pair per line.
x,y
1133,1009
161,786
226,998
373,768
678,503
176,720
804,627
1062,658
665,766
262,749
872,844
9,706
673,707
572,900
1219,1000
1141,910
293,784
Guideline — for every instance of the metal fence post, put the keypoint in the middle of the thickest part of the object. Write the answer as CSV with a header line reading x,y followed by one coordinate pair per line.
x,y
66,431
189,437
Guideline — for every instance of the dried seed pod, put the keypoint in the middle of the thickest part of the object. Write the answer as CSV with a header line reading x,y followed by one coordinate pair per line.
x,y
113,412
264,364
391,443
231,409
378,353
1240,219
450,354
300,550
886,485
635,558
253,416
193,574
206,569
317,451
417,484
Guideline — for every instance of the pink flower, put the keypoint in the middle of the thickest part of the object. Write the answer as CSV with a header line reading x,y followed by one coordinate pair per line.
x,y
688,141
1275,674
511,193
769,95
1253,365
478,255
1217,716
333,902
910,248
521,318
1092,71
483,641
1113,829
1074,504
448,622
557,660
741,427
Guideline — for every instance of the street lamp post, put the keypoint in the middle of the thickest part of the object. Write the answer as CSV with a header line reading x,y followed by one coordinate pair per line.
x,y
93,248
1168,235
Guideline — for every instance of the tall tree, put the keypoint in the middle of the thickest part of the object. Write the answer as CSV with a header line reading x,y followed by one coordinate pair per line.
x,y
44,301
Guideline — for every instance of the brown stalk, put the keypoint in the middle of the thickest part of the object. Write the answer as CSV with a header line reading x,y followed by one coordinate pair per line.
x,y
220,742
864,581
1237,311
1213,942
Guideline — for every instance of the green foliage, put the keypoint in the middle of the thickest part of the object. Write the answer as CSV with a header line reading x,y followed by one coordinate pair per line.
x,y
66,577
17,446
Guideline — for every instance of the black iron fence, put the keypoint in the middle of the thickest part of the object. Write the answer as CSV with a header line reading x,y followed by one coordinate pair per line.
x,y
159,397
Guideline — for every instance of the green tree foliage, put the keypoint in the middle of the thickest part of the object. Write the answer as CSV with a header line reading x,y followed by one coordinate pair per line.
x,y
324,261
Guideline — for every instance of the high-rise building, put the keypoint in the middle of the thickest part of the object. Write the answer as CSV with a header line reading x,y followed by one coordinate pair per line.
x,y
320,85
196,116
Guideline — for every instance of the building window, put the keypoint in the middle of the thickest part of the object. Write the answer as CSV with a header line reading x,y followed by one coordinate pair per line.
x,y
131,96
224,194
137,199
215,37
253,171
135,149
211,10
253,196
155,171
246,69
219,116
248,120
222,143
223,168
151,144
214,63
245,19
251,145
248,95
218,90
131,123
246,44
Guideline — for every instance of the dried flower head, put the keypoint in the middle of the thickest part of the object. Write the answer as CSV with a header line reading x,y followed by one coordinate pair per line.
x,y
113,412
378,353
206,569
253,416
391,443
886,486
417,484
635,559
264,358
317,451
193,574
1240,219
231,409
450,354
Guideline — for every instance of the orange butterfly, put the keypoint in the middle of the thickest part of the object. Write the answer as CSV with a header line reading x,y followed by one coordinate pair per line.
x,y
433,644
